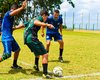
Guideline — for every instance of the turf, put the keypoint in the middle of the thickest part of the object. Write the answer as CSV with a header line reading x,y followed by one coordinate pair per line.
x,y
81,56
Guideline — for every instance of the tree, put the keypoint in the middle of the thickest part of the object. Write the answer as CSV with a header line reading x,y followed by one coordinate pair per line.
x,y
49,5
6,4
43,4
72,4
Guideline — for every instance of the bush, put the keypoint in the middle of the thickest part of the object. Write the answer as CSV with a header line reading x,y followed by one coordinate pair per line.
x,y
64,26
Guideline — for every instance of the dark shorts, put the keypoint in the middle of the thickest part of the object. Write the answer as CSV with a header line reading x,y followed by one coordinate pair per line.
x,y
56,36
36,47
10,46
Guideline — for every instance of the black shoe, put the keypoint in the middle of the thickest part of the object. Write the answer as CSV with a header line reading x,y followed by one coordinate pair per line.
x,y
47,76
61,59
16,67
36,68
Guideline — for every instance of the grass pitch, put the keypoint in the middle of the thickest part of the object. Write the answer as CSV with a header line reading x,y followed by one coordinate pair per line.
x,y
81,56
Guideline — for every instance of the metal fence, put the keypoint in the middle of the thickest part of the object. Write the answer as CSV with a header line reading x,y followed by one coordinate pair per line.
x,y
84,21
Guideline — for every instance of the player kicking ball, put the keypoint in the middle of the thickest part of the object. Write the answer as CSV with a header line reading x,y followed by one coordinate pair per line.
x,y
8,41
31,40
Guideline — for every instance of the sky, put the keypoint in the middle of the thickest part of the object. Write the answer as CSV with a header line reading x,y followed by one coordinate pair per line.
x,y
85,11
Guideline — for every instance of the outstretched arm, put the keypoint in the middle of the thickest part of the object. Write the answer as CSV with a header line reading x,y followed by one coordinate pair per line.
x,y
15,12
60,29
42,31
18,27
38,23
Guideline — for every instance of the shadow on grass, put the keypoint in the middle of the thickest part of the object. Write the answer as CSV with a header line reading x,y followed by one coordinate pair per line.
x,y
26,71
35,73
14,71
58,61
23,71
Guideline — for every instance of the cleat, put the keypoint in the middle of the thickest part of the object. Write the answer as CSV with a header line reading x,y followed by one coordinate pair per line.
x,y
50,73
61,59
36,68
16,67
47,76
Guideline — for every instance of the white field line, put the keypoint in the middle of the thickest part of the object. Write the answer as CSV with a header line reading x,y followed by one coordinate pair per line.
x,y
82,75
88,31
70,76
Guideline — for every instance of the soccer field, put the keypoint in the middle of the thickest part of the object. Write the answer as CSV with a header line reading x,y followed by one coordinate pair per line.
x,y
81,58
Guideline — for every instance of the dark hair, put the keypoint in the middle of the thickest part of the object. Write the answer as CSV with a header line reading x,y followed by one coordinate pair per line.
x,y
44,12
57,11
14,6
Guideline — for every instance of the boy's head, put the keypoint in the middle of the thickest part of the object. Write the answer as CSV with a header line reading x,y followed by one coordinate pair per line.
x,y
14,6
56,14
44,14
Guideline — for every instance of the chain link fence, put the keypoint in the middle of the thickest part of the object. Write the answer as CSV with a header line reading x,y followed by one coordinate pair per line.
x,y
83,21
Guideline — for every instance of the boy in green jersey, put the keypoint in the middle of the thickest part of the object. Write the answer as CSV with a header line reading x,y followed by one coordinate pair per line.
x,y
31,40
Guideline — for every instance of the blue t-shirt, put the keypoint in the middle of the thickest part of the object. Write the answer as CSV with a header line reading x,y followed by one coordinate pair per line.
x,y
0,24
0,21
55,23
6,27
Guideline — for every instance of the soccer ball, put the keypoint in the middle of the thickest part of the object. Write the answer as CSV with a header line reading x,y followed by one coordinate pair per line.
x,y
58,71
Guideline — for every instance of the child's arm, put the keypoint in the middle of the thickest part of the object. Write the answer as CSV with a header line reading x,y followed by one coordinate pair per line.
x,y
15,12
18,27
60,29
38,23
42,31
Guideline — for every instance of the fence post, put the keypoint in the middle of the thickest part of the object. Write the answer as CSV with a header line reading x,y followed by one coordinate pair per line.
x,y
73,22
93,27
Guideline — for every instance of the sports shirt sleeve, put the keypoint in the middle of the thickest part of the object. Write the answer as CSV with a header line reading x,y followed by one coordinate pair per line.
x,y
39,18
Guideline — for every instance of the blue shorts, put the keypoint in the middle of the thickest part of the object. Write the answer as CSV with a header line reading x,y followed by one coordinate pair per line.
x,y
0,30
56,36
10,46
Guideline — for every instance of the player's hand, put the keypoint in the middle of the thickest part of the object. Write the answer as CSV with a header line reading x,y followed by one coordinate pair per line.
x,y
51,26
61,34
42,34
14,28
24,4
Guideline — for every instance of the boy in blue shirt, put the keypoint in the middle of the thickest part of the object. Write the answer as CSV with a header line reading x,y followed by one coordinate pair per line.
x,y
8,41
0,22
56,33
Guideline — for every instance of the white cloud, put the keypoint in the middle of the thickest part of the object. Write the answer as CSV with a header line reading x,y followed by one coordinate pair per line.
x,y
82,6
65,7
90,5
83,11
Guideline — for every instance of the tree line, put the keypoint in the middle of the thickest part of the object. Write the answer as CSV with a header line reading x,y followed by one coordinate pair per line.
x,y
43,4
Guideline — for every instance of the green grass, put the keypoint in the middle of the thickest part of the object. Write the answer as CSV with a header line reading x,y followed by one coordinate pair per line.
x,y
81,56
